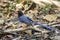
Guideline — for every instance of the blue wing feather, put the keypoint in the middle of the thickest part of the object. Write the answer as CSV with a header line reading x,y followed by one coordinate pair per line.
x,y
25,19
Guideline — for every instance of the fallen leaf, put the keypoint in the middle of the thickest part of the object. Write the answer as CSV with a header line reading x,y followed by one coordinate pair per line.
x,y
18,6
50,17
29,32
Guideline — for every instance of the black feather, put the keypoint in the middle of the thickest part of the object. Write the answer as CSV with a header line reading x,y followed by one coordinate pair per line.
x,y
20,13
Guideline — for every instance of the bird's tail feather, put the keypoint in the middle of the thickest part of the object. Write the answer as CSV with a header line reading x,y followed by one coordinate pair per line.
x,y
45,26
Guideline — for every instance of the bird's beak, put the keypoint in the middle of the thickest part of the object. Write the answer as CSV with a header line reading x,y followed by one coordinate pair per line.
x,y
16,12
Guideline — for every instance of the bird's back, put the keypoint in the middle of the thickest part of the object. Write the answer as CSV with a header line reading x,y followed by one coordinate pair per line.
x,y
25,19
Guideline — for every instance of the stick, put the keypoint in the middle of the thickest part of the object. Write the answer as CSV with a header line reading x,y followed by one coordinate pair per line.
x,y
47,1
23,29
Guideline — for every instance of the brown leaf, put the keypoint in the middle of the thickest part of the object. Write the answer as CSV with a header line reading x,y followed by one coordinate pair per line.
x,y
50,17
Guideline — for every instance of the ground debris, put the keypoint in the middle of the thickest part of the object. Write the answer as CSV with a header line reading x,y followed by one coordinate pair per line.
x,y
12,29
50,17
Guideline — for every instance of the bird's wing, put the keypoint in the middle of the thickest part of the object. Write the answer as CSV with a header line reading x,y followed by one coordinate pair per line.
x,y
29,19
25,19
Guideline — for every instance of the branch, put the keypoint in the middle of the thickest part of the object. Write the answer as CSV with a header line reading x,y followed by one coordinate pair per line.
x,y
23,29
40,2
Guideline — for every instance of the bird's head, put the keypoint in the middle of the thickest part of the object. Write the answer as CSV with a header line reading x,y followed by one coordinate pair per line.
x,y
20,13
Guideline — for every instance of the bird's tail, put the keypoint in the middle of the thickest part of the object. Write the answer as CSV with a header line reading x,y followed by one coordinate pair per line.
x,y
45,26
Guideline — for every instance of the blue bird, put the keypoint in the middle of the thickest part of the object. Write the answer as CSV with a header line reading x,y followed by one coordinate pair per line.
x,y
24,19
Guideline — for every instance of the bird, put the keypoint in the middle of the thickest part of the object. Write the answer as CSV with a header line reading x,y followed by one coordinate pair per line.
x,y
24,19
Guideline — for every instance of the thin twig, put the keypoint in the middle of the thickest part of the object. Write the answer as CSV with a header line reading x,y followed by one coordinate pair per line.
x,y
23,29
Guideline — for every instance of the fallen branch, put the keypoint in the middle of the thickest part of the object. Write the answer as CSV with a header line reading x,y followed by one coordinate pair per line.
x,y
23,29
53,2
54,23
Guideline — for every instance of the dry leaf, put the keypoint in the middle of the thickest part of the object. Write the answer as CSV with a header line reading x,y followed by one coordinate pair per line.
x,y
24,25
18,6
50,17
29,32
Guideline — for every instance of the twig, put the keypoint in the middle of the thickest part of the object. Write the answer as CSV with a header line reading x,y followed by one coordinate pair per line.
x,y
54,23
23,29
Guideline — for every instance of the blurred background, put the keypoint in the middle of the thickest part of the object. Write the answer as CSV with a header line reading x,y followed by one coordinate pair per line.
x,y
44,11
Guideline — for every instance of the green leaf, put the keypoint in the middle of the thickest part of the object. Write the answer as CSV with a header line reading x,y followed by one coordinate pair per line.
x,y
58,0
18,1
11,6
8,10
